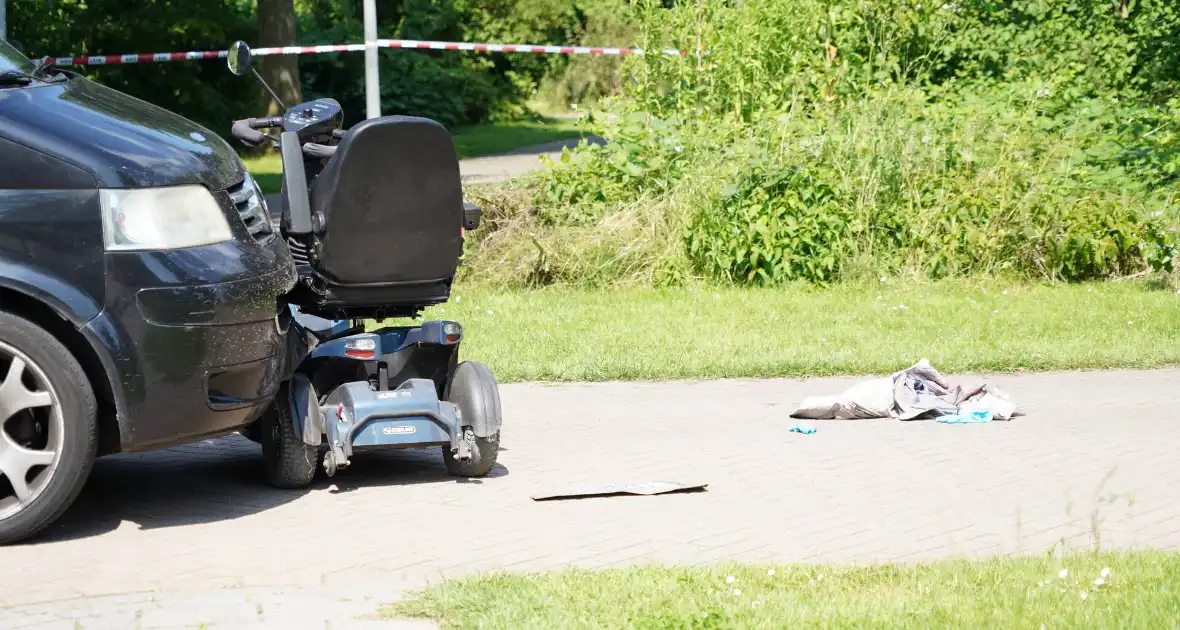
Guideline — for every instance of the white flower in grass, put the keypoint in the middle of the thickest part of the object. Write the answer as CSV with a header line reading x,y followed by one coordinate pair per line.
x,y
730,580
736,592
1131,323
770,572
1063,574
1099,582
996,311
490,312
1105,572
1084,594
458,298
819,577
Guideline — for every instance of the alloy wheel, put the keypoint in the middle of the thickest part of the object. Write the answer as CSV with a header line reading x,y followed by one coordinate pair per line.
x,y
31,431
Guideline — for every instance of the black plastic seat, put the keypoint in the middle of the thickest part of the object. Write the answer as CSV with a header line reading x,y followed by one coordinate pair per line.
x,y
390,205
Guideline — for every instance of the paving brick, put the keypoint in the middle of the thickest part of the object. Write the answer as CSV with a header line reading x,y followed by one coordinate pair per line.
x,y
198,526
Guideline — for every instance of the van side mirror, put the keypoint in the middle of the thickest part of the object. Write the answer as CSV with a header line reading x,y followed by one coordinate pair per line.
x,y
239,58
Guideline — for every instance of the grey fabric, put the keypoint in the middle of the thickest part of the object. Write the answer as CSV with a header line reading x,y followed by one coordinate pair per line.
x,y
919,392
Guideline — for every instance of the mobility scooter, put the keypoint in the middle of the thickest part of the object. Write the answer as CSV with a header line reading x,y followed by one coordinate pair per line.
x,y
374,218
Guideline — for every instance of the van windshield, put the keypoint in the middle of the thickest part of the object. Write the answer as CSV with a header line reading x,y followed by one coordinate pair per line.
x,y
11,59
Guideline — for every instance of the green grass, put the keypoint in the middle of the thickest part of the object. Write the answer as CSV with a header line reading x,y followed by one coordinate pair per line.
x,y
473,141
493,138
574,335
1141,591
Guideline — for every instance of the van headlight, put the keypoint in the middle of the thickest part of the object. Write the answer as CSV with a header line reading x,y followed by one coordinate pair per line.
x,y
173,217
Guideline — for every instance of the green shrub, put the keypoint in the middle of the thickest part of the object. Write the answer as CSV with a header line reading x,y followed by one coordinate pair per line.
x,y
809,140
773,225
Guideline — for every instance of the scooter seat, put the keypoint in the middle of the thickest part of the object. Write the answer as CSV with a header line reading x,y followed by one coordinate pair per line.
x,y
391,215
391,202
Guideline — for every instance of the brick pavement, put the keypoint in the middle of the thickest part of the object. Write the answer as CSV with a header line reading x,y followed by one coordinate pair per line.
x,y
193,535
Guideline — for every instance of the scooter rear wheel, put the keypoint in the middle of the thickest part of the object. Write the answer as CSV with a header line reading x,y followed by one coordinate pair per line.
x,y
474,391
290,463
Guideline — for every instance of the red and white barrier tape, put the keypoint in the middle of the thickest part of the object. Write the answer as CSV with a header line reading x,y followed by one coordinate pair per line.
x,y
109,60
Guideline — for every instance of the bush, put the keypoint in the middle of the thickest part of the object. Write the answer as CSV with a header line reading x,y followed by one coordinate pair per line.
x,y
808,140
455,88
204,91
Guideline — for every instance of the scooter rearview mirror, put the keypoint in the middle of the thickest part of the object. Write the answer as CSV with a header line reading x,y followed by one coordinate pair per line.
x,y
239,58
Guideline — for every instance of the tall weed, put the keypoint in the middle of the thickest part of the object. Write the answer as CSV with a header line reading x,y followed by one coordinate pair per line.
x,y
809,140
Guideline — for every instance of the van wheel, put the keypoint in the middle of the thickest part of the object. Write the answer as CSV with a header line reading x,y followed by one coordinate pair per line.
x,y
48,428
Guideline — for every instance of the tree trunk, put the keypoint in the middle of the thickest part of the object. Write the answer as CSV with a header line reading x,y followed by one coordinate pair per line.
x,y
276,27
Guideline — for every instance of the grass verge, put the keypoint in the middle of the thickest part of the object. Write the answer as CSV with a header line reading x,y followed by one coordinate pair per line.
x,y
473,141
500,137
630,334
1140,591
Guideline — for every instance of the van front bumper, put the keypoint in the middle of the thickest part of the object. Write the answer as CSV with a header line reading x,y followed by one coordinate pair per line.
x,y
189,358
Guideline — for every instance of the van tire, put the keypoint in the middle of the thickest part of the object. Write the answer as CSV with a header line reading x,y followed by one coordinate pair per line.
x,y
78,409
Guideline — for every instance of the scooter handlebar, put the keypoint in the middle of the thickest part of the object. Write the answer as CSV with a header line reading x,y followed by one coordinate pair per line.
x,y
314,150
246,130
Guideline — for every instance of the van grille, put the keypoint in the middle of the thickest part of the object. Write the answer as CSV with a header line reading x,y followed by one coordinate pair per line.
x,y
252,208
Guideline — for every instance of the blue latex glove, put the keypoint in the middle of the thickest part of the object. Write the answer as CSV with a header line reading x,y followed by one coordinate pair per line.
x,y
803,428
973,417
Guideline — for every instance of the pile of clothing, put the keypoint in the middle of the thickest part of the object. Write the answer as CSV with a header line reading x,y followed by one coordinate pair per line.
x,y
919,392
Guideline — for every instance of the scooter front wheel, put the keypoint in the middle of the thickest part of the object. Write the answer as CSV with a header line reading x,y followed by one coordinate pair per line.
x,y
290,463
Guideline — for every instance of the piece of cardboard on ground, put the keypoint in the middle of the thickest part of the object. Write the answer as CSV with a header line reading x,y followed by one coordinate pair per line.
x,y
642,489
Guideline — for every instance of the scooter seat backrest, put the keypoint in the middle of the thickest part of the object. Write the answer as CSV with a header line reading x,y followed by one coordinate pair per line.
x,y
391,199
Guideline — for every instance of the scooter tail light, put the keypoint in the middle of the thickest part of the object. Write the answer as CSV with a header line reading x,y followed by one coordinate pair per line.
x,y
361,349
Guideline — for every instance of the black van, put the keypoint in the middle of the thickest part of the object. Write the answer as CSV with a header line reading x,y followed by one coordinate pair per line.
x,y
134,250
